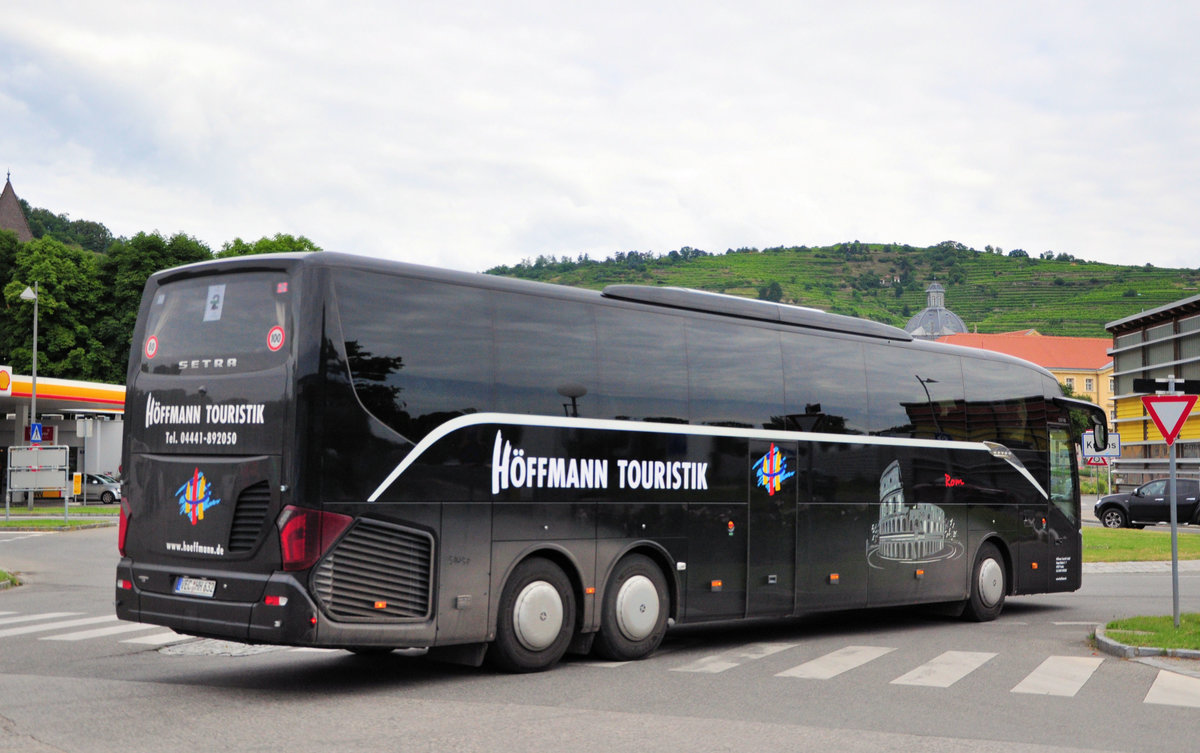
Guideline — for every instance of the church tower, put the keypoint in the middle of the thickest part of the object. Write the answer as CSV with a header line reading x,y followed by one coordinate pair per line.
x,y
11,216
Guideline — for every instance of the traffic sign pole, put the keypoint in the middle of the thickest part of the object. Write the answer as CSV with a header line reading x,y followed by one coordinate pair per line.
x,y
1170,411
1174,541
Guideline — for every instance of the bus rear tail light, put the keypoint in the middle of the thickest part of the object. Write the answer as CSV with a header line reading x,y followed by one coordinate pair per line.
x,y
305,535
123,525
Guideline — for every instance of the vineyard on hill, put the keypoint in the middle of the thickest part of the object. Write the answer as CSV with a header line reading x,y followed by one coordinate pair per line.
x,y
1057,294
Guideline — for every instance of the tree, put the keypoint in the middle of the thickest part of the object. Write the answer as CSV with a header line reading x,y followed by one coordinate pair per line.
x,y
282,243
124,271
69,293
772,292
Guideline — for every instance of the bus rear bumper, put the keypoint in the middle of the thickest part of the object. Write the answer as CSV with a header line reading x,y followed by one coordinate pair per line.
x,y
284,615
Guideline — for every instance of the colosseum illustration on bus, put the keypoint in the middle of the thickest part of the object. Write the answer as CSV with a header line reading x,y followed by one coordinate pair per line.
x,y
918,532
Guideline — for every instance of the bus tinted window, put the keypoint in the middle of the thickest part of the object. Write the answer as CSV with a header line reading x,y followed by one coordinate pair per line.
x,y
826,384
643,366
222,325
1017,420
735,375
545,356
915,394
412,368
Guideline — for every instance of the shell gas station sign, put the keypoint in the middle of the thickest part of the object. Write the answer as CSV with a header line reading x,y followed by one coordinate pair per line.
x,y
6,381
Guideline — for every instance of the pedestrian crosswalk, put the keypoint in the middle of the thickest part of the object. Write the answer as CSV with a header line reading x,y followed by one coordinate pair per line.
x,y
13,625
1061,676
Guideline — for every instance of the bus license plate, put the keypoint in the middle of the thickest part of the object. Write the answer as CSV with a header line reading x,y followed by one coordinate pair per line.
x,y
186,586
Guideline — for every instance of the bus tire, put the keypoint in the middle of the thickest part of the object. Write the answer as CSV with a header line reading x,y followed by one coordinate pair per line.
x,y
633,619
988,585
536,620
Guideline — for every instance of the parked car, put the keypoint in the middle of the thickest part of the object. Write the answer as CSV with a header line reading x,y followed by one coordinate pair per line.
x,y
1150,503
102,487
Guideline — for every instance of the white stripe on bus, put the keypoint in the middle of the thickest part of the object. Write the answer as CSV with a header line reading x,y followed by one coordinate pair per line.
x,y
647,427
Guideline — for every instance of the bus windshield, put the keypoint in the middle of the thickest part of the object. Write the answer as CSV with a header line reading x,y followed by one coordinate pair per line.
x,y
223,324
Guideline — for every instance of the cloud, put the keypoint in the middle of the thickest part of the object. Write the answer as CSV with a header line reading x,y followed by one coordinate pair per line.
x,y
474,134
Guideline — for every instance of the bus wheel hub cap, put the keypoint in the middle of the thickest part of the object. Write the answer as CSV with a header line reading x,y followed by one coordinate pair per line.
x,y
537,616
637,608
991,582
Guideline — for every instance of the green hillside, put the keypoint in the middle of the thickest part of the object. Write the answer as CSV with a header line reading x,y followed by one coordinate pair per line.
x,y
991,291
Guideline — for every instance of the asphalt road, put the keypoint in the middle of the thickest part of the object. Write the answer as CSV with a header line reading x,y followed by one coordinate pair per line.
x,y
72,678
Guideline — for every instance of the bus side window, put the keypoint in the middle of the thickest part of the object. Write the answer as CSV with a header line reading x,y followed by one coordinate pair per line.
x,y
1017,422
915,393
825,384
643,366
545,356
735,375
404,370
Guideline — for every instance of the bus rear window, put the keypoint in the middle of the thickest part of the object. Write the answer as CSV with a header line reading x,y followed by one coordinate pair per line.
x,y
218,325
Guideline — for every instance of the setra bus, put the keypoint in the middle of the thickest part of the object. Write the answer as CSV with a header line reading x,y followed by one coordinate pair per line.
x,y
336,451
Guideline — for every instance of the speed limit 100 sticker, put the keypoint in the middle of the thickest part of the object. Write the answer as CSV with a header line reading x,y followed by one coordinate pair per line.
x,y
275,338
151,346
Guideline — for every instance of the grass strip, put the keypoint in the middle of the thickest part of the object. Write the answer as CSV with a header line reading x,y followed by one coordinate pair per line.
x,y
51,524
1158,632
1132,545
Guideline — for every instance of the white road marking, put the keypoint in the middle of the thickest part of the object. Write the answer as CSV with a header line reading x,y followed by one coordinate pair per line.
x,y
55,626
158,639
36,617
84,635
1171,689
1059,675
945,670
735,658
834,664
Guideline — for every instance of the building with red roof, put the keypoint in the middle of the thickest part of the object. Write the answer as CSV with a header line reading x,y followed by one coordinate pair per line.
x,y
1081,363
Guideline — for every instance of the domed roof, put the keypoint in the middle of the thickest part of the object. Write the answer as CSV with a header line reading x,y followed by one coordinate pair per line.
x,y
935,320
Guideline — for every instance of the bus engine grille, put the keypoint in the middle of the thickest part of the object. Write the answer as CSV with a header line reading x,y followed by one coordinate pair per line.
x,y
377,572
248,517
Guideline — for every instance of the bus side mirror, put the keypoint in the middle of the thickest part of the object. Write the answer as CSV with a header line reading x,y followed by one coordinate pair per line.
x,y
1099,434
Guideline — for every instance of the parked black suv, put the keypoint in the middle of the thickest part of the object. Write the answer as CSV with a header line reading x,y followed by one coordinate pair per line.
x,y
1150,503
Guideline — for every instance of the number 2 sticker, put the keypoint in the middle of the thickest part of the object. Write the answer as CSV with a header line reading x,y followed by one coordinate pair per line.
x,y
275,338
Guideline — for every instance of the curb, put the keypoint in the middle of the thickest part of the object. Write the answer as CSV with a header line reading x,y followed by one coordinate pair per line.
x,y
58,529
1115,648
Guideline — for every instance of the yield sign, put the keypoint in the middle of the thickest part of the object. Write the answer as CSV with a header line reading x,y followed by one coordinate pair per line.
x,y
1169,412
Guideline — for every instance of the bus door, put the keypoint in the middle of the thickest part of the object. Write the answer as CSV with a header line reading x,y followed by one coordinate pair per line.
x,y
1063,539
1048,548
772,534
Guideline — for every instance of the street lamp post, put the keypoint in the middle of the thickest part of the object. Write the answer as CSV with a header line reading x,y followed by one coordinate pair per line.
x,y
32,295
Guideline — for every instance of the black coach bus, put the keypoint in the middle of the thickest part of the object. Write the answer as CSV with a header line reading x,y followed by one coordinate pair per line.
x,y
327,450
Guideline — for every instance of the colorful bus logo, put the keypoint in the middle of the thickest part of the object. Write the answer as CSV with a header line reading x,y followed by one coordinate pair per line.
x,y
195,497
772,470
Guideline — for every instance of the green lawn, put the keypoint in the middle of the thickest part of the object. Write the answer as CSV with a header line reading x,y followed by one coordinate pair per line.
x,y
1132,545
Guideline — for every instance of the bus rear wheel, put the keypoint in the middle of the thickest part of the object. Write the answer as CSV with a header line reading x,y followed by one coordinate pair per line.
x,y
635,610
536,620
988,585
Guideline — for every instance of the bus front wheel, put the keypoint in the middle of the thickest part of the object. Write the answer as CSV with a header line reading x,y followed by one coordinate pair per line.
x,y
635,611
988,585
536,620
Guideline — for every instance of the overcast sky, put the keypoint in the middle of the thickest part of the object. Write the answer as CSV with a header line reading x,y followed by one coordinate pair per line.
x,y
470,134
